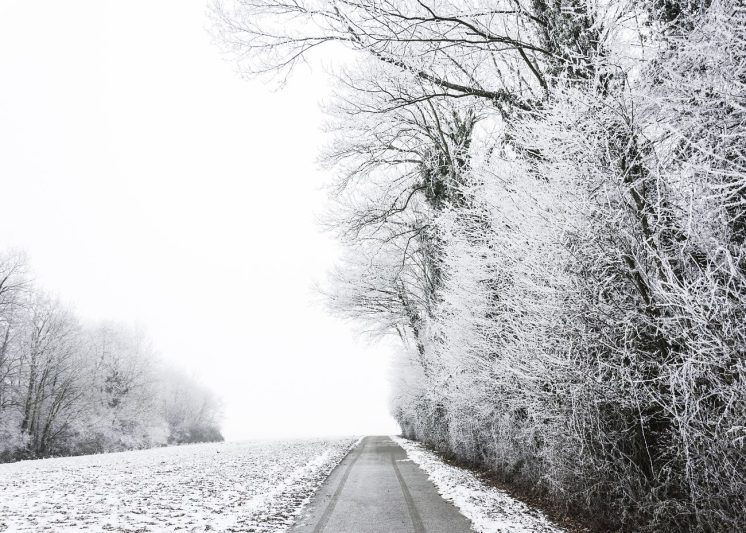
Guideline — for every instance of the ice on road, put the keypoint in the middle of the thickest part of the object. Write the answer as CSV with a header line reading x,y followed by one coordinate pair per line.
x,y
252,486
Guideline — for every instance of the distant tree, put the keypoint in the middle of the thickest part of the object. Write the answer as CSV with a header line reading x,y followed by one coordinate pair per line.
x,y
53,373
14,285
191,411
68,388
123,397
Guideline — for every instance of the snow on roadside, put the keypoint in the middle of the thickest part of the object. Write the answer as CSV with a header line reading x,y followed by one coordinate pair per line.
x,y
489,509
255,486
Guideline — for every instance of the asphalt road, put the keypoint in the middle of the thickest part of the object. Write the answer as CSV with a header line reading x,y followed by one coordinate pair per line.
x,y
376,489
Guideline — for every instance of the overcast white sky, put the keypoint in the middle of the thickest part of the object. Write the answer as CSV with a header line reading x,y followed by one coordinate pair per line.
x,y
148,183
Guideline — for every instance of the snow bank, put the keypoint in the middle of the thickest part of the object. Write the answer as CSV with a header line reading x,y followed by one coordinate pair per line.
x,y
489,509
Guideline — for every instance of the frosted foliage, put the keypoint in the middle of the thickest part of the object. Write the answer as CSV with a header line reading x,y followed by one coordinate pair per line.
x,y
69,388
589,331
545,201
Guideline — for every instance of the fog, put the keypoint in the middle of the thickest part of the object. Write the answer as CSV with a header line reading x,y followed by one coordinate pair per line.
x,y
149,183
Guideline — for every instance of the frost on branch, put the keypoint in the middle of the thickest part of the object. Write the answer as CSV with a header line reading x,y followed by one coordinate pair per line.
x,y
546,201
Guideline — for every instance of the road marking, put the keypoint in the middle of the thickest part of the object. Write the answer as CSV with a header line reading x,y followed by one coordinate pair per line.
x,y
413,514
333,502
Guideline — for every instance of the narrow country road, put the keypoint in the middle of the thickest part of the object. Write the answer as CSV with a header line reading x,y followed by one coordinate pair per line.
x,y
376,489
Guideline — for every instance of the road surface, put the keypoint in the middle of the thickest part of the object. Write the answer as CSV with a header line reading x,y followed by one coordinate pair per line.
x,y
376,489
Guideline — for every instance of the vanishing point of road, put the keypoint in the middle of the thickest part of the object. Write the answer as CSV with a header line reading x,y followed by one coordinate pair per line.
x,y
376,489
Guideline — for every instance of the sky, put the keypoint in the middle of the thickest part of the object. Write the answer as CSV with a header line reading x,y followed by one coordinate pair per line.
x,y
150,184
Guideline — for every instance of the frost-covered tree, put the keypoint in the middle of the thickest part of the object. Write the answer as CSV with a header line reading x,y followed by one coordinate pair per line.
x,y
14,285
545,200
71,388
191,411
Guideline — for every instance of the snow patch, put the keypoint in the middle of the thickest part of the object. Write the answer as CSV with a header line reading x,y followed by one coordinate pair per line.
x,y
489,509
256,487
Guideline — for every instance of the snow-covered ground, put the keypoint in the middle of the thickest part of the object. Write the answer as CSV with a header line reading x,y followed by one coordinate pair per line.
x,y
489,509
231,487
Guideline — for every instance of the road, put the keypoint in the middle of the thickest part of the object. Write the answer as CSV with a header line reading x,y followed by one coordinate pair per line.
x,y
376,489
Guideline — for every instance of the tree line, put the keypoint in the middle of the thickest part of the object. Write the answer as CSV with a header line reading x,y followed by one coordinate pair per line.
x,y
546,201
69,388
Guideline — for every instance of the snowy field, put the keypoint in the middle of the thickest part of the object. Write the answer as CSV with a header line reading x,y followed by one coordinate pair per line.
x,y
489,509
252,487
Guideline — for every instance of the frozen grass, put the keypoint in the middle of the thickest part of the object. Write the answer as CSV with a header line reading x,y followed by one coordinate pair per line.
x,y
489,509
231,487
